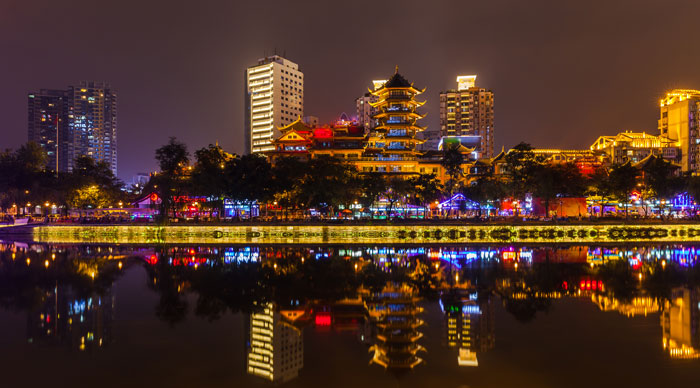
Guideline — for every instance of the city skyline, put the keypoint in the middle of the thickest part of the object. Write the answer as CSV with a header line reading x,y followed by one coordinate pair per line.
x,y
582,82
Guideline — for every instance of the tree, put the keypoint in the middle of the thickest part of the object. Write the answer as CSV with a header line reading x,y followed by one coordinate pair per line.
x,y
397,189
561,179
372,185
521,164
622,180
484,190
452,160
251,179
287,174
426,189
660,180
208,175
327,183
173,160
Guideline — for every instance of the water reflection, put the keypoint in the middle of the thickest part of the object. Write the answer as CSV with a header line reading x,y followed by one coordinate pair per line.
x,y
680,322
378,294
64,317
275,343
469,324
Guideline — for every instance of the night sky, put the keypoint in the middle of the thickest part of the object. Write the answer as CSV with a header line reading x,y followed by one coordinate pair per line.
x,y
563,72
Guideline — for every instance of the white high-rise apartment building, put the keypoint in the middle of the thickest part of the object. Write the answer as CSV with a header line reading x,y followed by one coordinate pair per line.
x,y
274,97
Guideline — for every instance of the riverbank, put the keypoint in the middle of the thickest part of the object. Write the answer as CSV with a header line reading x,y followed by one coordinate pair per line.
x,y
358,233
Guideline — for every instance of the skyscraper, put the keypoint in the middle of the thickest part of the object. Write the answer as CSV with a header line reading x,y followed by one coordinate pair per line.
x,y
94,122
274,97
680,120
468,111
365,110
48,126
81,120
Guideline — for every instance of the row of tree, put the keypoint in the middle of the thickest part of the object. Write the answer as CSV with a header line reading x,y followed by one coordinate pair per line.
x,y
325,183
322,183
24,182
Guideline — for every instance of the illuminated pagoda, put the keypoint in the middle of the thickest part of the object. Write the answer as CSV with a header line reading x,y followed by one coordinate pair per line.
x,y
394,137
395,311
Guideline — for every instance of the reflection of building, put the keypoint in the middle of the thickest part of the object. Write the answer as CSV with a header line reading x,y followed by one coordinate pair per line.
x,y
274,97
680,120
470,325
468,111
637,306
396,313
680,323
276,346
82,323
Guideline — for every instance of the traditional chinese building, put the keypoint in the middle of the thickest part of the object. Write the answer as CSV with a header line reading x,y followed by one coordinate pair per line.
x,y
388,147
635,146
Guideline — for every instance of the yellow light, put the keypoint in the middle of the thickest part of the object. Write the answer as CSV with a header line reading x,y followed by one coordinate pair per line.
x,y
92,274
275,266
663,263
120,265
456,277
53,256
28,261
46,264
640,276
355,266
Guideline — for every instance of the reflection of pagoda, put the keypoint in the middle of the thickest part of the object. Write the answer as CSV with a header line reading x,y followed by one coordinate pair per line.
x,y
275,344
680,323
396,313
82,323
640,305
470,325
394,138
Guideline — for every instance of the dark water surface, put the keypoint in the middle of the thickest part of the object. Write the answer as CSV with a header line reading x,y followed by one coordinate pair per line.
x,y
215,316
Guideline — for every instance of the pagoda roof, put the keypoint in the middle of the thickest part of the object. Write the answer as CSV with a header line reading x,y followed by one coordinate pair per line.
x,y
649,159
297,125
397,81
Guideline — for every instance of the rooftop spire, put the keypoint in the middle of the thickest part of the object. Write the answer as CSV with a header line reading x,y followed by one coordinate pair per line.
x,y
397,70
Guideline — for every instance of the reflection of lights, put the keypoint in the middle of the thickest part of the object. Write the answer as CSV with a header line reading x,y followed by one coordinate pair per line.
x,y
471,309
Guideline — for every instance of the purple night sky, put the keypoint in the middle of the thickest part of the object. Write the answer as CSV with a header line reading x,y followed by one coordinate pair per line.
x,y
564,72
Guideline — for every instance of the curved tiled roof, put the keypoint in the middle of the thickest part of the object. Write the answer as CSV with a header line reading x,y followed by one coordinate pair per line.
x,y
397,81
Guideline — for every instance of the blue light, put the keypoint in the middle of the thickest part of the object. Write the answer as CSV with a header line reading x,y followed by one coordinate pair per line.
x,y
471,309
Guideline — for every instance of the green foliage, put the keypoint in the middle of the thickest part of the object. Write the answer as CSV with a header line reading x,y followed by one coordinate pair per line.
x,y
521,165
172,180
